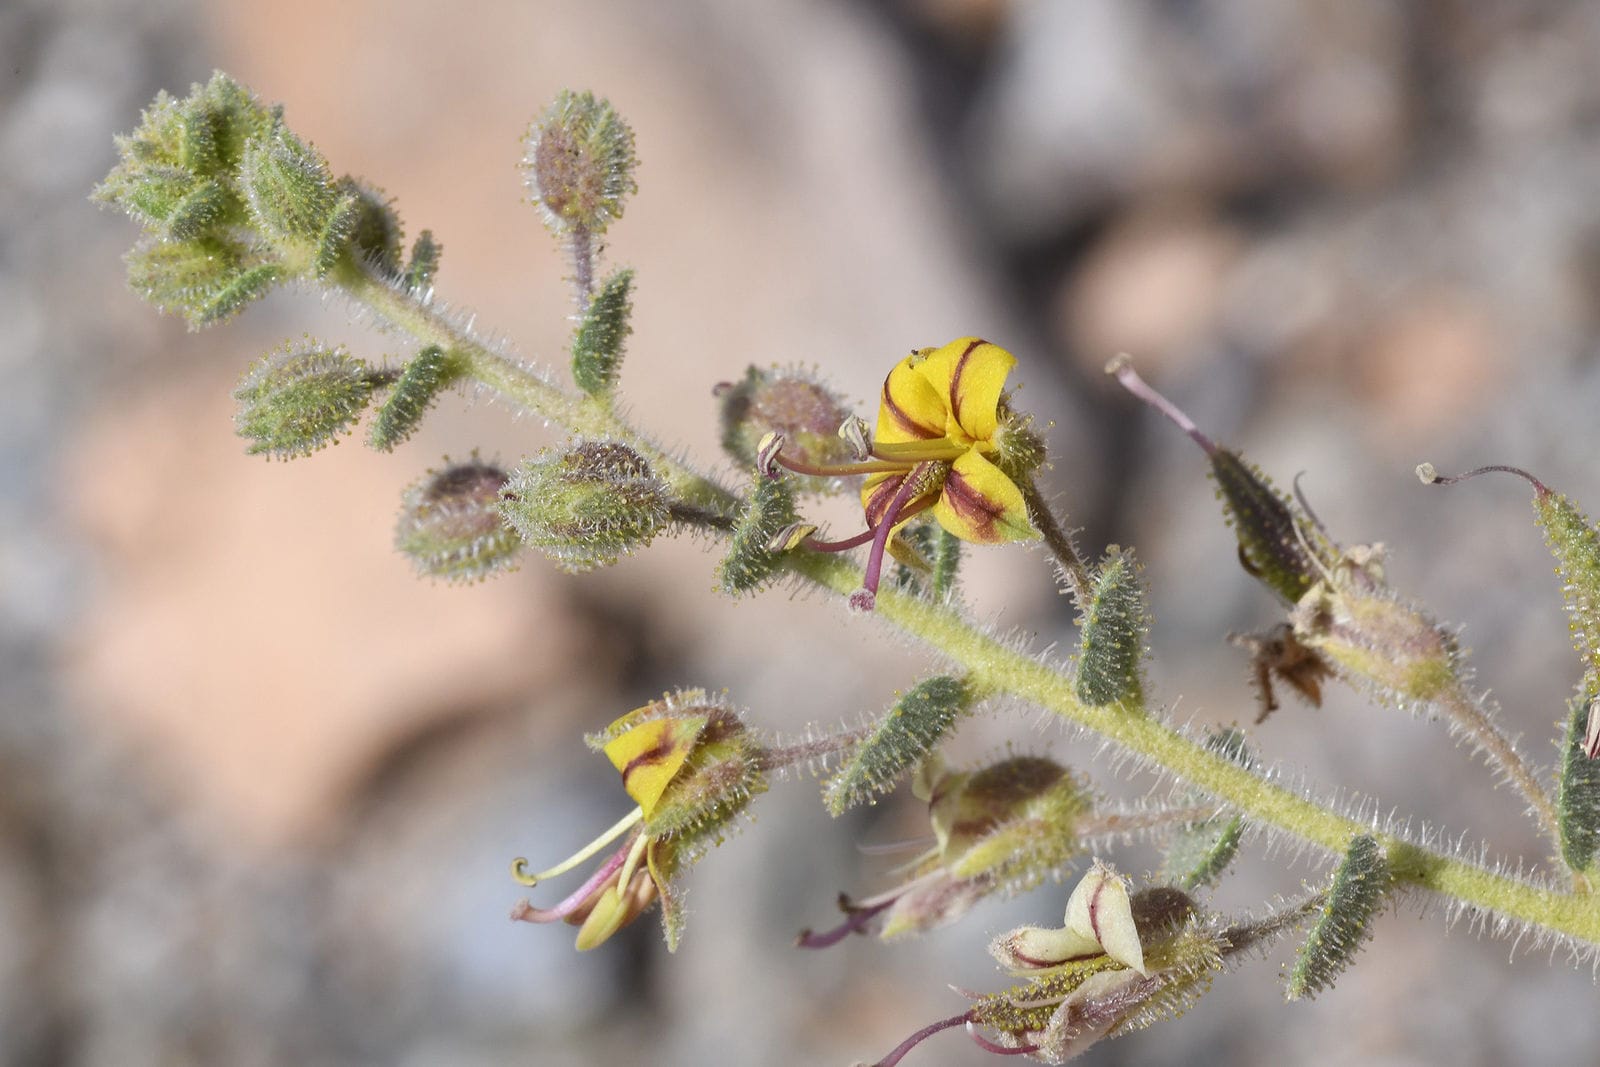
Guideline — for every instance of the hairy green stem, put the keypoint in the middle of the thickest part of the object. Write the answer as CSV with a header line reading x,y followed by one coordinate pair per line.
x,y
1008,670
580,415
992,665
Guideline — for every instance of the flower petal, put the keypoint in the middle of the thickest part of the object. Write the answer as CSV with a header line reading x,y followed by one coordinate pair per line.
x,y
910,408
969,373
650,755
979,503
1034,947
1099,908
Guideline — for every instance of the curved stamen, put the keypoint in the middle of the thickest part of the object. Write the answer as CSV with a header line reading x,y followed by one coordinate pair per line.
x,y
906,453
1431,476
526,912
519,866
632,862
1121,368
840,546
998,1049
864,598
855,922
922,1035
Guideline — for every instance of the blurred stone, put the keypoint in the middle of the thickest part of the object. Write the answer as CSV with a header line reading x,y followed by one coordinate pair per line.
x,y
255,628
1428,368
1150,287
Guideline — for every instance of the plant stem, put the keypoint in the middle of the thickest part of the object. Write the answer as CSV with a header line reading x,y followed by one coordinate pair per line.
x,y
1009,670
992,664
519,383
1060,544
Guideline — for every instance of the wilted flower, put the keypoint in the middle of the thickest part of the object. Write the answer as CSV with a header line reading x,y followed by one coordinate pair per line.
x,y
691,766
1001,829
941,445
1118,963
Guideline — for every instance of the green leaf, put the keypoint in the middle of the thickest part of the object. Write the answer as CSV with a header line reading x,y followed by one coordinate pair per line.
x,y
424,263
1113,627
1578,792
752,559
413,394
912,728
597,345
1199,852
1344,923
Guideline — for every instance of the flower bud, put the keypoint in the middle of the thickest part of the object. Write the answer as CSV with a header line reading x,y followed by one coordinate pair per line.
x,y
690,764
376,234
175,173
805,413
299,398
291,192
450,525
587,504
579,163
205,280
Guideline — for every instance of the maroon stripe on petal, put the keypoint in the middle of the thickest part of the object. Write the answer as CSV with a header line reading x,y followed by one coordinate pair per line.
x,y
906,422
882,493
978,510
955,378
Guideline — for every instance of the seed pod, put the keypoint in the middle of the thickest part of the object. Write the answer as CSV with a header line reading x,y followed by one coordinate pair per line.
x,y
919,720
1278,544
1113,629
579,163
299,398
587,504
450,525
1344,924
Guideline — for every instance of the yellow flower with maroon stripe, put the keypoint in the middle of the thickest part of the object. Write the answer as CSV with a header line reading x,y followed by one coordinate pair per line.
x,y
690,766
940,417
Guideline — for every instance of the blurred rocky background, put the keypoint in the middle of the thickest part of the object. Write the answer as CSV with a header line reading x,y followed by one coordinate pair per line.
x,y
259,787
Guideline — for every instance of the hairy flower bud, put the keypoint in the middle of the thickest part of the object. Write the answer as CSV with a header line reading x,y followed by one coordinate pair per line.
x,y
690,763
587,504
450,525
290,190
805,413
205,280
299,398
579,163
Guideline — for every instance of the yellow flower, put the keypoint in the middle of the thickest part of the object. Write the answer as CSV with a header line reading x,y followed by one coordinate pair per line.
x,y
938,434
690,766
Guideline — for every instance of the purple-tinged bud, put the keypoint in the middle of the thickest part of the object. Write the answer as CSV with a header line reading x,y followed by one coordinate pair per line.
x,y
450,525
579,163
813,426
